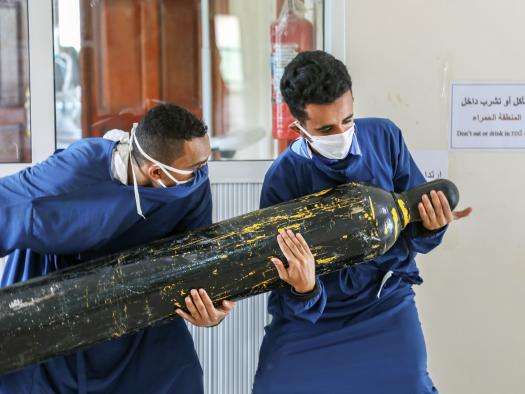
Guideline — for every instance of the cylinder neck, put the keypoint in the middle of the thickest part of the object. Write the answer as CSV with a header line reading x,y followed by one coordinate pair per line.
x,y
405,211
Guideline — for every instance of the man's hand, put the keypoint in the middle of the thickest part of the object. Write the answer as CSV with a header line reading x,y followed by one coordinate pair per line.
x,y
436,213
202,311
301,263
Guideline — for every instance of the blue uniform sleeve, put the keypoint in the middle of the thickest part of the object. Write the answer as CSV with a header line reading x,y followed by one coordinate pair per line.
x,y
283,302
49,208
16,217
406,176
58,224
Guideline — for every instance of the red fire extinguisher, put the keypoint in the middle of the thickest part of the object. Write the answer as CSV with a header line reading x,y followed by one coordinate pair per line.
x,y
291,33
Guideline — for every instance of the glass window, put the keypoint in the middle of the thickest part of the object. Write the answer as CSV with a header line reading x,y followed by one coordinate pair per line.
x,y
114,60
15,137
251,44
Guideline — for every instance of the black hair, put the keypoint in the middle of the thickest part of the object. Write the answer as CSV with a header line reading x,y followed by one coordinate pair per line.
x,y
313,77
163,130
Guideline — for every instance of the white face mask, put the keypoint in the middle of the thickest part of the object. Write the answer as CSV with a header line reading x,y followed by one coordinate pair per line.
x,y
335,147
165,168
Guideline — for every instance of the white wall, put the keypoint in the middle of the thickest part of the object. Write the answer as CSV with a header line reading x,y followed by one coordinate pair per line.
x,y
402,56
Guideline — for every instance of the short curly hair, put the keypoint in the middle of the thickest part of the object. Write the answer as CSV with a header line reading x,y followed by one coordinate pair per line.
x,y
163,130
313,77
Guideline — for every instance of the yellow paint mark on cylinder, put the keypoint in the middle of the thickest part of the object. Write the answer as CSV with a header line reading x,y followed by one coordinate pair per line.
x,y
404,211
253,228
395,218
321,193
326,260
253,240
296,226
372,210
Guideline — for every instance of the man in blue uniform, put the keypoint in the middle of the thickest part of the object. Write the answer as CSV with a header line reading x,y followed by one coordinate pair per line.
x,y
356,330
101,196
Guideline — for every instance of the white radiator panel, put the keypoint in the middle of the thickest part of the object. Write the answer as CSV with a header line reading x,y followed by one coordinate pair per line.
x,y
229,352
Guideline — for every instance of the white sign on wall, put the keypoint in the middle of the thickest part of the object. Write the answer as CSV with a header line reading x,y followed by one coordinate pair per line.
x,y
432,163
488,116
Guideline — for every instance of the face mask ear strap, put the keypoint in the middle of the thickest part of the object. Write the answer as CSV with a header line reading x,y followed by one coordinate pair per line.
x,y
136,193
175,180
305,133
162,166
168,174
159,181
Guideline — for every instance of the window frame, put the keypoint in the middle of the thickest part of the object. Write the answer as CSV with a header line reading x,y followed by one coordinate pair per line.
x,y
41,85
42,91
253,171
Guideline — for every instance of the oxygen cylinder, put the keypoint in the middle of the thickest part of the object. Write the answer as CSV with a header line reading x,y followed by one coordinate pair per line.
x,y
122,293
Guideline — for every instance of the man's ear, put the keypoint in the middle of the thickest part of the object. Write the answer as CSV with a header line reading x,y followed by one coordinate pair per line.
x,y
293,126
153,171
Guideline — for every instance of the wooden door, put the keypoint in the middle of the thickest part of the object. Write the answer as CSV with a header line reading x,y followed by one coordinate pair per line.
x,y
135,54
